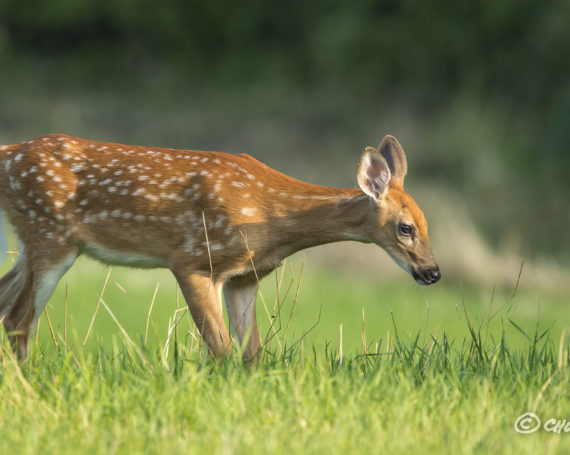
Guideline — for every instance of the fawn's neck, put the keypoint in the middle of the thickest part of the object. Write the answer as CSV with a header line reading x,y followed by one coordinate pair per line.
x,y
322,215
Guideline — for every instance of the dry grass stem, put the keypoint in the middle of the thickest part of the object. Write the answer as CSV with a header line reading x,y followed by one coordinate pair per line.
x,y
97,307
149,312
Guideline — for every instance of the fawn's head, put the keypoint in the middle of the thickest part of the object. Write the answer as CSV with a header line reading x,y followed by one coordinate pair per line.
x,y
396,224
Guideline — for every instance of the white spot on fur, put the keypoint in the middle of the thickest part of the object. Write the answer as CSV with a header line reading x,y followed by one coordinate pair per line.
x,y
152,197
189,242
248,211
219,221
215,246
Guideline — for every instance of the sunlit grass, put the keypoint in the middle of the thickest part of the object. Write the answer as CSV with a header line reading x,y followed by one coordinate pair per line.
x,y
444,369
294,297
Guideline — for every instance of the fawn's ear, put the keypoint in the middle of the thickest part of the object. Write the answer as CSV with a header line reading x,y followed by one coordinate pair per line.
x,y
373,173
394,155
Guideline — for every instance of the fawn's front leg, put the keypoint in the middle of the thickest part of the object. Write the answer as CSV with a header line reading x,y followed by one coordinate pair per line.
x,y
240,294
204,300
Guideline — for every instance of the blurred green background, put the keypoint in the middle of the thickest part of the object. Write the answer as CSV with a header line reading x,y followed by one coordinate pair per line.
x,y
478,93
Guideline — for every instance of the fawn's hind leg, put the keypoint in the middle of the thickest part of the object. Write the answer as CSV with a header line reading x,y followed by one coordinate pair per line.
x,y
12,284
240,294
32,284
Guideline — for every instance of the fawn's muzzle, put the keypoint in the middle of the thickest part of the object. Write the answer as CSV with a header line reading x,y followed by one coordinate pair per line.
x,y
427,276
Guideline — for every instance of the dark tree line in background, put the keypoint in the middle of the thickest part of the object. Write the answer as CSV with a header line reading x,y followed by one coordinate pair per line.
x,y
510,59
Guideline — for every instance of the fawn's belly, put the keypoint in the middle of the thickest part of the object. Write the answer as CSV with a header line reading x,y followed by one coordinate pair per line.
x,y
127,259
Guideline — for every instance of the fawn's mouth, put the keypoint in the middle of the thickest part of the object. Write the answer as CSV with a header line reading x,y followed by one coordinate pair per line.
x,y
427,276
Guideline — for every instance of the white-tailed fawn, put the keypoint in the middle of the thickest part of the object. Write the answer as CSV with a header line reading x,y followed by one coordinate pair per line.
x,y
219,222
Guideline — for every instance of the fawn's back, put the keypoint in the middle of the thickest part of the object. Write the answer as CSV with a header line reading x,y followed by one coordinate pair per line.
x,y
133,205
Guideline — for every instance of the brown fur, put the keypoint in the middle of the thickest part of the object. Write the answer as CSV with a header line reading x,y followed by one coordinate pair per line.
x,y
215,220
406,201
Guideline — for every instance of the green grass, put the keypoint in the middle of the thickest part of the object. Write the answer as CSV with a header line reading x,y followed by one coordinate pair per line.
x,y
305,291
425,378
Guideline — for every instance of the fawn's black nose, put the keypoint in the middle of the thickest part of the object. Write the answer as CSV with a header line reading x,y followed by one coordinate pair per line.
x,y
427,276
434,274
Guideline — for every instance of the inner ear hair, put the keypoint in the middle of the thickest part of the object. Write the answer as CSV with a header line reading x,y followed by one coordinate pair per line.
x,y
373,173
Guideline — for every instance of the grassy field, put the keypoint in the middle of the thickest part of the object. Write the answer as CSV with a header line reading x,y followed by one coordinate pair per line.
x,y
444,368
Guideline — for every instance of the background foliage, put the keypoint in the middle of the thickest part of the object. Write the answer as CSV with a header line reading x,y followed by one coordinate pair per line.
x,y
478,92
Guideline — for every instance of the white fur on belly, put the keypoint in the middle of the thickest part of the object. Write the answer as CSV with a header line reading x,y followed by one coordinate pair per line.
x,y
122,258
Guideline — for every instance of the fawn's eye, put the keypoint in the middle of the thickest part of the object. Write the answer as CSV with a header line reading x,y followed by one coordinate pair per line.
x,y
405,229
